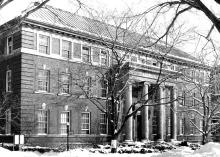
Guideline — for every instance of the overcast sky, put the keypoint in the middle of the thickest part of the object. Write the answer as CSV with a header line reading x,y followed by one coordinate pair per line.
x,y
116,6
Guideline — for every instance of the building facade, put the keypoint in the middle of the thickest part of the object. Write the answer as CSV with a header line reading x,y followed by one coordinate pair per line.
x,y
40,55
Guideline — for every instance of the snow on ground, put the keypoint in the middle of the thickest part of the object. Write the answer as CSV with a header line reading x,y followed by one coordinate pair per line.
x,y
209,150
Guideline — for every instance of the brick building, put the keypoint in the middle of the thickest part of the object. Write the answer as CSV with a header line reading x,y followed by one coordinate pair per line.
x,y
37,56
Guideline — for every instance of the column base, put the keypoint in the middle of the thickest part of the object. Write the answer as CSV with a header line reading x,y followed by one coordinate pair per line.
x,y
145,141
160,140
174,141
128,142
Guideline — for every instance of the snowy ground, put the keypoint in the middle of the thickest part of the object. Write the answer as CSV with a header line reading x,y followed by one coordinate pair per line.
x,y
209,150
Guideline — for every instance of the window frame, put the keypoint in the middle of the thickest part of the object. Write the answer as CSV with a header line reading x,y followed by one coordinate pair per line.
x,y
45,80
83,123
66,82
192,129
105,57
65,49
181,125
47,46
9,81
9,45
86,58
63,124
104,123
104,83
43,120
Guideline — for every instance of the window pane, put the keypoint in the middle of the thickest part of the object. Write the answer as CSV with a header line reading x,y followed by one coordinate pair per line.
x,y
66,49
8,81
85,123
103,123
44,42
64,83
104,58
42,122
64,119
43,80
86,54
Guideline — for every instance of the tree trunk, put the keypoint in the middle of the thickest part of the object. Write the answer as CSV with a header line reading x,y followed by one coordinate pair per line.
x,y
204,138
114,143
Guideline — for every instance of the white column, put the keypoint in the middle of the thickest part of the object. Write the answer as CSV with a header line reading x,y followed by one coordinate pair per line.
x,y
145,120
129,122
162,114
174,115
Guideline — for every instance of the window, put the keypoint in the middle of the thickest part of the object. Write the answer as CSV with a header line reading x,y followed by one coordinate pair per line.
x,y
64,121
42,120
183,98
155,121
197,76
9,45
192,123
104,58
66,49
8,121
44,44
104,86
44,80
87,85
77,51
103,123
85,123
172,67
85,54
96,54
8,81
168,126
65,83
181,125
56,46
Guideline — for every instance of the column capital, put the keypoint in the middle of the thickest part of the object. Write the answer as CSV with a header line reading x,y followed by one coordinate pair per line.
x,y
130,82
146,83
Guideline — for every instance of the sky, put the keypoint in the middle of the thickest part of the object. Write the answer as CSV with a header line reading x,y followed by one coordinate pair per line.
x,y
193,19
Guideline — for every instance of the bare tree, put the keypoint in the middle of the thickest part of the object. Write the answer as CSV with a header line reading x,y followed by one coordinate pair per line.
x,y
9,113
200,104
173,10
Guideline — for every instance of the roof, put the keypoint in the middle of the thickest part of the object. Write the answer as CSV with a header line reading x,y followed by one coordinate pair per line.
x,y
67,20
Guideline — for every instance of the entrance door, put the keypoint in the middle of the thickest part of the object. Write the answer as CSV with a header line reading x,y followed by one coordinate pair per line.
x,y
139,127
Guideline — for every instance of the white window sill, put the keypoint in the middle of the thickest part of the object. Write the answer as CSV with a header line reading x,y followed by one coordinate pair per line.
x,y
43,92
41,134
63,94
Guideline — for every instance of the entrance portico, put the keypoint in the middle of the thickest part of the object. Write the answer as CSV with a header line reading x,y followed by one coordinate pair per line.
x,y
140,126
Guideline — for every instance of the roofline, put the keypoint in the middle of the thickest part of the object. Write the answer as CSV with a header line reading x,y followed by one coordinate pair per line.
x,y
92,37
